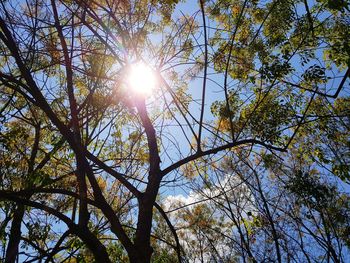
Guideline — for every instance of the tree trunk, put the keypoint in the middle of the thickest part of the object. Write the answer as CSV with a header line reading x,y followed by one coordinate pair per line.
x,y
15,235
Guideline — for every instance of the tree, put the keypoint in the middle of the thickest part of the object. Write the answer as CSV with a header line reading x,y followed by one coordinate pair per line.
x,y
88,161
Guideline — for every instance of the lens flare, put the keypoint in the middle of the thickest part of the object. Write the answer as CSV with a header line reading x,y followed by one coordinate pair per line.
x,y
141,79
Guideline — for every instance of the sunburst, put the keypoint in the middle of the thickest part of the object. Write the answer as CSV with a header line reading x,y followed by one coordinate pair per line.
x,y
141,79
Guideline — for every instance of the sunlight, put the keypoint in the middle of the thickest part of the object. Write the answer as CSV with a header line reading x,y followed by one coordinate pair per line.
x,y
141,79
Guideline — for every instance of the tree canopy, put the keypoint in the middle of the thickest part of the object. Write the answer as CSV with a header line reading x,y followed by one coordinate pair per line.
x,y
239,152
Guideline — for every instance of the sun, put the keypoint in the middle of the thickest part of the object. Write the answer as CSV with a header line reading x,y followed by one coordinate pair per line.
x,y
141,79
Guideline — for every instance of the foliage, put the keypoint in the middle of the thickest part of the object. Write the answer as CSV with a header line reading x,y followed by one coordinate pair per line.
x,y
240,154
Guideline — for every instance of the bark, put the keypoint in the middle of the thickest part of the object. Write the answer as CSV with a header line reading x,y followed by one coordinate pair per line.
x,y
15,235
148,199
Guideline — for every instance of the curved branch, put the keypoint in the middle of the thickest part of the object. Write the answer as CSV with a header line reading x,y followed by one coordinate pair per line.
x,y
92,242
172,229
218,149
